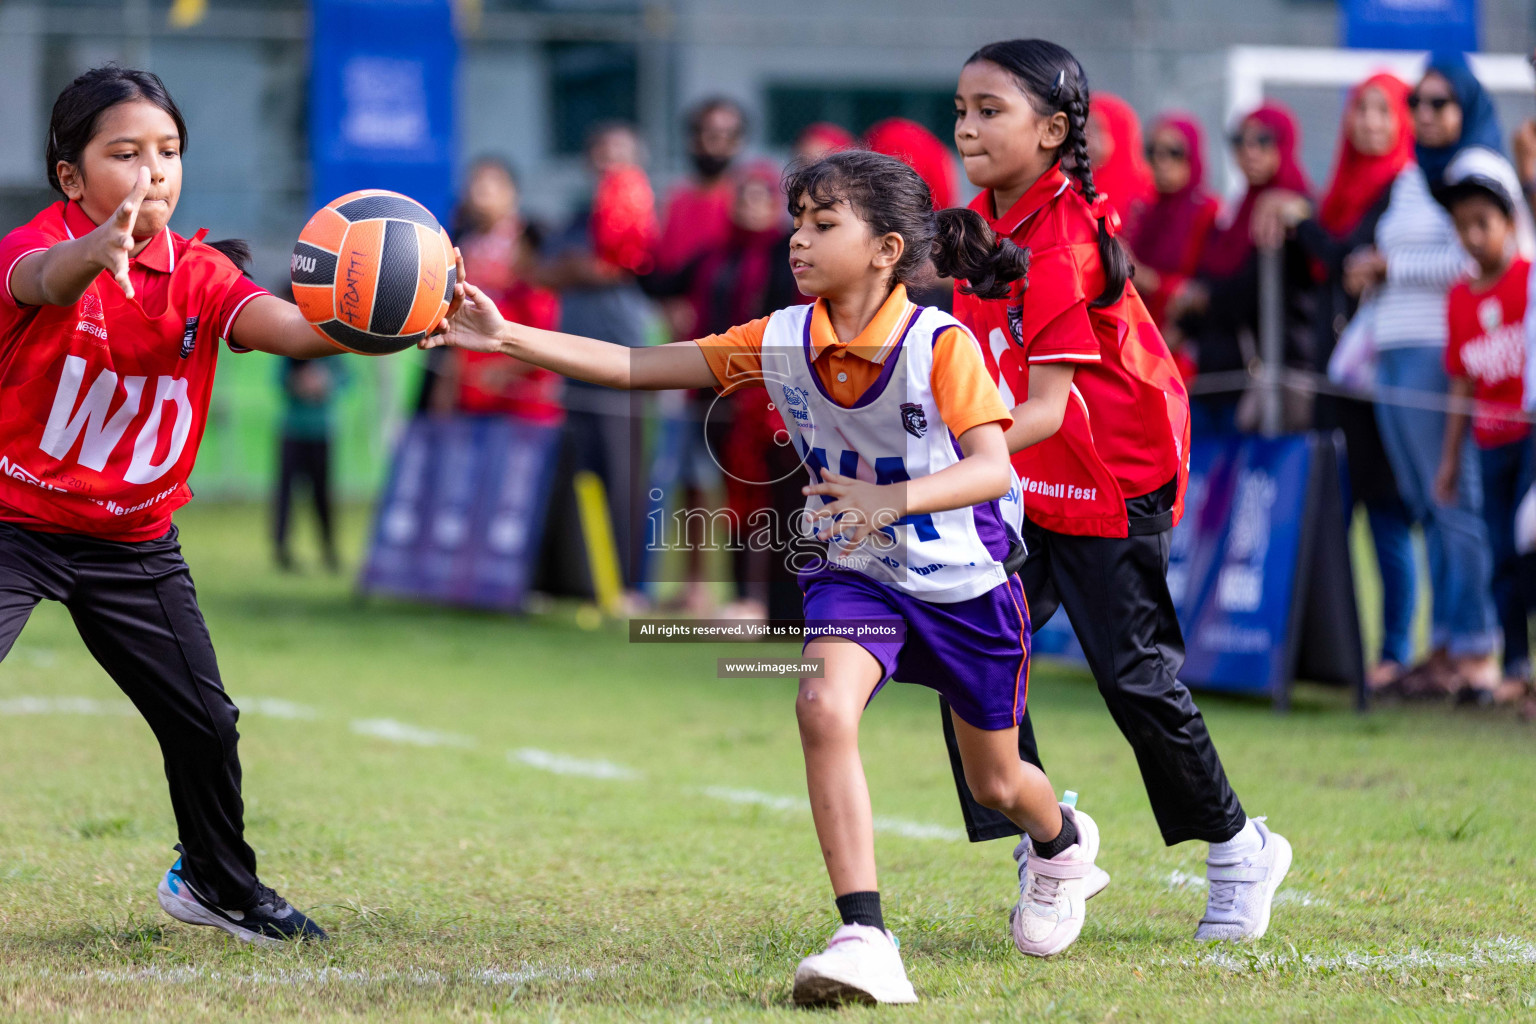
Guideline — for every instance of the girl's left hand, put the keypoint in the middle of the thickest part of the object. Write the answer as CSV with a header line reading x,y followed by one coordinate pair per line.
x,y
860,508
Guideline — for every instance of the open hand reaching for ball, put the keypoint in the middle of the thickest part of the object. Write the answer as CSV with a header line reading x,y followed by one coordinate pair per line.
x,y
473,322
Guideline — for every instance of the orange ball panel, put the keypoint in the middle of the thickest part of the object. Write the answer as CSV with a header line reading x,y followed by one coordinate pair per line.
x,y
429,289
325,230
357,273
314,301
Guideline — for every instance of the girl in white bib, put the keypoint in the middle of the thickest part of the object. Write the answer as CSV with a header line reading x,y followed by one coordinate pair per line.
x,y
901,429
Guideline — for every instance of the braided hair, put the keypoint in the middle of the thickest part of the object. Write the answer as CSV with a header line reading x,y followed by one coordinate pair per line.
x,y
1055,82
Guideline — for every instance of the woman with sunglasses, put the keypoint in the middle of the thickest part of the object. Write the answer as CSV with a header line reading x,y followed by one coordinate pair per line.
x,y
1219,310
1375,145
1169,238
1412,266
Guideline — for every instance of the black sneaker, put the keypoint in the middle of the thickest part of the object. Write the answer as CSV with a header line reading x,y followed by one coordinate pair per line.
x,y
268,921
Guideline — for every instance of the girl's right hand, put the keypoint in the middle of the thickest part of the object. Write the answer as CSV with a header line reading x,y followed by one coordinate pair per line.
x,y
476,325
473,321
109,245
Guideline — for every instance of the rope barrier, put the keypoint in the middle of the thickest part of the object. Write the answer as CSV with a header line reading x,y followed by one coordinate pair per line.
x,y
1234,381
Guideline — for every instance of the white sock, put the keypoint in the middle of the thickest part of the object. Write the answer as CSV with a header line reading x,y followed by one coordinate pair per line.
x,y
1246,843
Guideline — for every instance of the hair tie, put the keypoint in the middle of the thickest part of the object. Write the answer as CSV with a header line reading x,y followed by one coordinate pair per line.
x,y
1061,83
1101,210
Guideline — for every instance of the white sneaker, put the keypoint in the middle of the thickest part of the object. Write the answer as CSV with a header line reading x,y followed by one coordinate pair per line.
x,y
1053,893
861,964
1242,893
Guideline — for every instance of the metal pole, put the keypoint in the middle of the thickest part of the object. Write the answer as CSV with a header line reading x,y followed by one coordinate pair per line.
x,y
654,73
1271,341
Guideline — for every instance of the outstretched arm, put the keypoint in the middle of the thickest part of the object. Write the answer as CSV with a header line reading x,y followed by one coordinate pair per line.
x,y
477,325
270,324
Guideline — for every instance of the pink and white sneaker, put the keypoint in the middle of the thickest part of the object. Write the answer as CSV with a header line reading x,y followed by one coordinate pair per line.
x,y
860,965
1054,892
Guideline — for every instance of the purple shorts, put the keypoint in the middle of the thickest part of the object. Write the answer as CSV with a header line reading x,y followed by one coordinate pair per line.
x,y
974,653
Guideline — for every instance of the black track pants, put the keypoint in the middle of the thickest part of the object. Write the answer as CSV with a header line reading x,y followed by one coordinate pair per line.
x,y
136,610
1115,591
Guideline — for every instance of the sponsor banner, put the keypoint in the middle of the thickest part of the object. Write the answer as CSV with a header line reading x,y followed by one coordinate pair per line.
x,y
381,111
1259,569
462,516
1410,24
1241,566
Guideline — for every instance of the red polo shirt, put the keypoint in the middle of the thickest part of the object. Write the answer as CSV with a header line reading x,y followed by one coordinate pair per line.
x,y
1125,433
103,403
1486,345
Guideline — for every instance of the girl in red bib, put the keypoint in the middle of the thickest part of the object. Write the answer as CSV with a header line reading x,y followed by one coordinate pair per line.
x,y
110,325
1075,350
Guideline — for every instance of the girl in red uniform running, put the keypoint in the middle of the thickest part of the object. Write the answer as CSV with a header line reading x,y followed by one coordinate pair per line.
x,y
110,325
1073,347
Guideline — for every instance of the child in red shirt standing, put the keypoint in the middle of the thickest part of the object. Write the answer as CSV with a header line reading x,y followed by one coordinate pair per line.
x,y
1485,361
1075,350
110,328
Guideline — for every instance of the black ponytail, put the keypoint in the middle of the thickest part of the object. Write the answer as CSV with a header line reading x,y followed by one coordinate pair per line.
x,y
1055,82
965,248
237,250
890,197
83,101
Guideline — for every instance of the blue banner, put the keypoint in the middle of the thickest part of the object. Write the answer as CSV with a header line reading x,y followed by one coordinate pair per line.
x,y
1410,24
382,99
1258,569
462,516
1242,563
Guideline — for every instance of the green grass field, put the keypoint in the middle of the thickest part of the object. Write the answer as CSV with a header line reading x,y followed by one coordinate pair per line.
x,y
522,819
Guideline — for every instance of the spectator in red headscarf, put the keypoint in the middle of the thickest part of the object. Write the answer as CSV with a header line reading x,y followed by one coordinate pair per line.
x,y
1219,310
933,161
820,139
920,150
1116,155
1169,236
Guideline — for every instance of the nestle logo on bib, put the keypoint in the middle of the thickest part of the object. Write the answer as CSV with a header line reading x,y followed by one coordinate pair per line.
x,y
189,337
914,419
90,307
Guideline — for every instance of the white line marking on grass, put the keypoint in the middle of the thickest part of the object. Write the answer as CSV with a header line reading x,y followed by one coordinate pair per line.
x,y
1499,952
560,764
64,706
276,707
1299,898
1184,880
324,976
894,826
400,732
753,797
41,657
917,829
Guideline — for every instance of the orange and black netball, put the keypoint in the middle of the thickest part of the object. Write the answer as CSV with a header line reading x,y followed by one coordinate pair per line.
x,y
373,272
